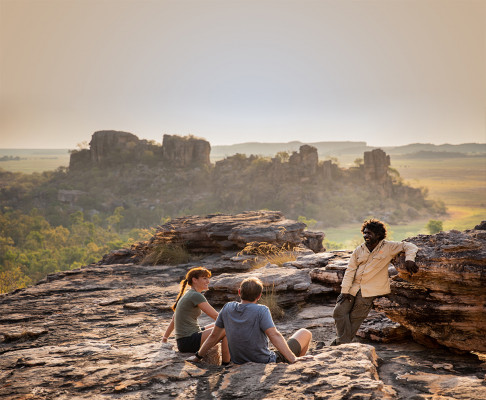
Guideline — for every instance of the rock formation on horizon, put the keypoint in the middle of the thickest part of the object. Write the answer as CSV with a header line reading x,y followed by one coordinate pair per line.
x,y
152,181
183,152
111,148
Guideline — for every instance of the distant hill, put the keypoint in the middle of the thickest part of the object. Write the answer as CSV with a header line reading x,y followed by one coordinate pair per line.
x,y
429,155
324,149
465,148
335,149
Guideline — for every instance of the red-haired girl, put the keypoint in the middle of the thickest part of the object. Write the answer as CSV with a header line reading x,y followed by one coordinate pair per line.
x,y
187,308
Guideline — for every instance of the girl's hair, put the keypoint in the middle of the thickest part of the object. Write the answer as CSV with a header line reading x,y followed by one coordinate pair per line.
x,y
193,273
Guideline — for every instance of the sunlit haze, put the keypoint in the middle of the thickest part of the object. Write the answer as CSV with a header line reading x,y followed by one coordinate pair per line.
x,y
385,72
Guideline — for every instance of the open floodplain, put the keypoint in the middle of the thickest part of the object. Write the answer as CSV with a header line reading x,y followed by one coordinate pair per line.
x,y
459,182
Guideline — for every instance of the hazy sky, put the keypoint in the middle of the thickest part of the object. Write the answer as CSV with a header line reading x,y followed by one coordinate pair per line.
x,y
388,72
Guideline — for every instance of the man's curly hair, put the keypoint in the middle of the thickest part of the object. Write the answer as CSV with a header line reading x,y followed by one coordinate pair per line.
x,y
375,226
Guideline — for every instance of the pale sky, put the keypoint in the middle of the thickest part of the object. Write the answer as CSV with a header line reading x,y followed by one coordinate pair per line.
x,y
388,72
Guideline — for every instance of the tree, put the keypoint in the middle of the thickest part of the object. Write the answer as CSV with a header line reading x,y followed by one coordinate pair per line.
x,y
434,226
311,223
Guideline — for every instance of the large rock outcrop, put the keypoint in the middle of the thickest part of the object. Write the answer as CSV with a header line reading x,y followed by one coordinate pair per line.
x,y
112,148
221,232
105,145
375,169
376,163
443,303
305,162
446,300
183,152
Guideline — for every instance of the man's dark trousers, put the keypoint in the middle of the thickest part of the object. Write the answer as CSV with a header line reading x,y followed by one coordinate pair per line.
x,y
348,316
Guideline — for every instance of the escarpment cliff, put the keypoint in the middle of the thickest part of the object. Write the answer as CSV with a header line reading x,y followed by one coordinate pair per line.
x,y
112,148
95,332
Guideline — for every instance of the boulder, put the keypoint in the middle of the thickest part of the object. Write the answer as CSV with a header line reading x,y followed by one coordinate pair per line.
x,y
313,240
288,286
311,260
446,300
217,233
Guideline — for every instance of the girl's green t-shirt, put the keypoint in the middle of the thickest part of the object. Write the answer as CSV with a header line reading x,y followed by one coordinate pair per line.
x,y
186,314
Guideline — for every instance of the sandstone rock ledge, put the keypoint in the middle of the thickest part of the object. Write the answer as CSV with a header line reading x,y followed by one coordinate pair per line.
x,y
217,233
94,333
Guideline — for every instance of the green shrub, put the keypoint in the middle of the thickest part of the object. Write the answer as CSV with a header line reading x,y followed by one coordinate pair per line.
x,y
434,226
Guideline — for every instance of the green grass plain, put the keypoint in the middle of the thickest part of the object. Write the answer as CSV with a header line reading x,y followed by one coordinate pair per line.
x,y
459,182
34,160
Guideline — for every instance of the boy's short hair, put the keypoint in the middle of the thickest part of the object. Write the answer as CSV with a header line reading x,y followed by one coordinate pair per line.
x,y
251,288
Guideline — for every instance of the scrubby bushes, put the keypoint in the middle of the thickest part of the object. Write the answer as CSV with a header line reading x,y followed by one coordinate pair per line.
x,y
31,248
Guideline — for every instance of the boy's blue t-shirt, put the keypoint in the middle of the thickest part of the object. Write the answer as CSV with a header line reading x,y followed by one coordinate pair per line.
x,y
245,326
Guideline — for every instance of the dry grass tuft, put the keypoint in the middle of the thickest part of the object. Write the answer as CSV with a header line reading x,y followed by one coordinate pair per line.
x,y
269,253
167,253
270,299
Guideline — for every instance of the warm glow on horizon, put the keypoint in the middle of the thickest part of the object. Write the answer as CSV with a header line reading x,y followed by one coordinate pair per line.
x,y
387,73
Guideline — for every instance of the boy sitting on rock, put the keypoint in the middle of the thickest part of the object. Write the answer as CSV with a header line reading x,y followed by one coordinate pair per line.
x,y
248,326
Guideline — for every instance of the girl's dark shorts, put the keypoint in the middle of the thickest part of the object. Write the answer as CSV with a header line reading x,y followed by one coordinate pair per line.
x,y
190,344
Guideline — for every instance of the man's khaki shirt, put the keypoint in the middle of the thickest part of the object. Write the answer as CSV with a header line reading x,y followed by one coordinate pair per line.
x,y
369,271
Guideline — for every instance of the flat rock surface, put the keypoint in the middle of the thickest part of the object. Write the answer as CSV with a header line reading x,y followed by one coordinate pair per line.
x,y
95,333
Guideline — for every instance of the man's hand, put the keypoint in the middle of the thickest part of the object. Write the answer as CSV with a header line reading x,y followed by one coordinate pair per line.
x,y
343,297
194,359
411,267
308,357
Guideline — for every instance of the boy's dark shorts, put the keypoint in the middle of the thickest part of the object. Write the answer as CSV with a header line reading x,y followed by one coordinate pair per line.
x,y
189,344
294,345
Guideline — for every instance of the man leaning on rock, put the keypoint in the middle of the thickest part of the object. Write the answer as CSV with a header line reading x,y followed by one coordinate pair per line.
x,y
248,326
366,278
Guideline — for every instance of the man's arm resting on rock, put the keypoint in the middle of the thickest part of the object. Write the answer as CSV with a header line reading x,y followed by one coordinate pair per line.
x,y
279,342
410,251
